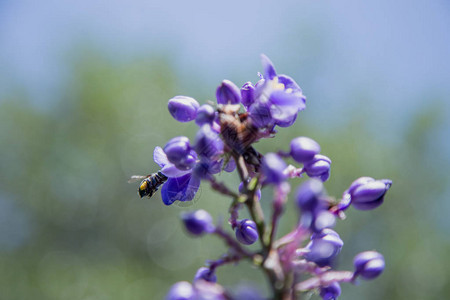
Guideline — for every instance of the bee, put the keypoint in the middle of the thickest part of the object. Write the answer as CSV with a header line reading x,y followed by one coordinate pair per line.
x,y
149,184
239,134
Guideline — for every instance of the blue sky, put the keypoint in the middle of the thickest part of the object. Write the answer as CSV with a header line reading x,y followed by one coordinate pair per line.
x,y
392,52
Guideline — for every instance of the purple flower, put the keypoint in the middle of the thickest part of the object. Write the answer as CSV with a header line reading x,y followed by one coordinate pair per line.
x,y
205,115
367,193
183,109
330,292
198,222
181,185
303,149
181,189
208,143
179,152
246,232
182,290
324,247
273,168
369,264
318,167
205,274
278,96
228,93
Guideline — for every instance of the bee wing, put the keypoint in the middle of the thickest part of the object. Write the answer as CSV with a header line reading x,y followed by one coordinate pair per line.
x,y
136,178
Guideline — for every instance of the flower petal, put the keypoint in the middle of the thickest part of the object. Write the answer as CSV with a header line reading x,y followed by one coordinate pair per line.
x,y
160,157
181,188
289,83
269,69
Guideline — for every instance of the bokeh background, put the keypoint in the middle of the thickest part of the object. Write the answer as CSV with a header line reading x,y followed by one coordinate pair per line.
x,y
83,93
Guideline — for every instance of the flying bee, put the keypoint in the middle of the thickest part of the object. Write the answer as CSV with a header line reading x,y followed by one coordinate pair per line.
x,y
149,184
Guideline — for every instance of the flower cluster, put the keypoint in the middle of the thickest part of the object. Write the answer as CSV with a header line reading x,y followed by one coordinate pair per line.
x,y
225,141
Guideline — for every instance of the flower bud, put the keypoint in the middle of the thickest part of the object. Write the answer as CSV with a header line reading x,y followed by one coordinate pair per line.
x,y
367,193
248,94
230,166
183,109
205,115
228,93
324,247
273,168
206,290
182,290
198,222
368,264
208,143
330,292
309,195
246,232
303,149
179,152
205,274
318,167
322,219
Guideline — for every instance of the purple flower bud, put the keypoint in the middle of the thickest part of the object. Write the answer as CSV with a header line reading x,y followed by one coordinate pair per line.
x,y
205,274
208,143
179,152
331,292
181,291
198,222
318,167
309,195
183,109
323,219
246,232
367,193
228,93
273,168
303,149
323,249
369,264
248,94
206,290
257,192
205,115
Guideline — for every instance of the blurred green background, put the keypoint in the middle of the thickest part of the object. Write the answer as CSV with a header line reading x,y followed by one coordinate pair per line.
x,y
83,93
